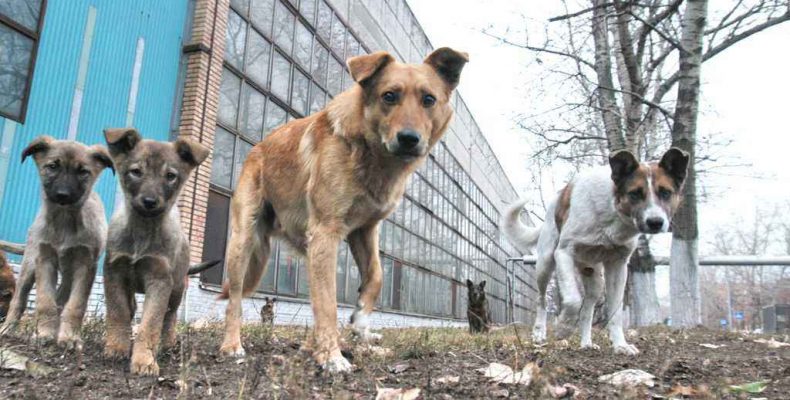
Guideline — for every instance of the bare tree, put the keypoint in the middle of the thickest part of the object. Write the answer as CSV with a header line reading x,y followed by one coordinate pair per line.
x,y
613,63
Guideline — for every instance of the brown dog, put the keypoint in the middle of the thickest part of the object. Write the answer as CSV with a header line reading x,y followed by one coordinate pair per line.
x,y
147,252
336,174
65,239
7,286
477,307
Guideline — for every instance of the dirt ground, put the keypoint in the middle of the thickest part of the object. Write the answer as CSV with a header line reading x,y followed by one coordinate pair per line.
x,y
428,359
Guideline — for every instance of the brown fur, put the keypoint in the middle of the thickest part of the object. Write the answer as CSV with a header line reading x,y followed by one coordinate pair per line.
x,y
147,251
563,206
7,285
336,174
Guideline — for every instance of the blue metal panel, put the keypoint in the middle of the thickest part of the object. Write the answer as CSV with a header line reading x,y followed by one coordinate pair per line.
x,y
119,25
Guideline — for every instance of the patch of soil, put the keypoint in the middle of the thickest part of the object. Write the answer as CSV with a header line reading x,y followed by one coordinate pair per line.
x,y
276,368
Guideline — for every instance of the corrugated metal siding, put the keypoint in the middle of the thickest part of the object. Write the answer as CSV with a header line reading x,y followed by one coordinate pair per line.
x,y
118,26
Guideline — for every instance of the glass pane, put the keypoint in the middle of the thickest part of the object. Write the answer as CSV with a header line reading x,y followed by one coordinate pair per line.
x,y
299,97
352,46
320,59
286,272
334,80
303,47
240,6
342,254
281,76
338,36
307,9
317,100
352,283
324,23
304,279
229,98
223,158
234,40
251,118
385,299
271,269
275,116
15,51
262,15
24,12
283,27
242,149
257,60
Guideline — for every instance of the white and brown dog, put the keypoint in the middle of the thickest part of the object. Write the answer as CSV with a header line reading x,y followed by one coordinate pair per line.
x,y
590,231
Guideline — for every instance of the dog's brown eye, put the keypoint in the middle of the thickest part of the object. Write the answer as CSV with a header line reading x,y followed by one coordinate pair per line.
x,y
53,166
390,97
664,194
428,101
84,172
171,176
635,195
136,172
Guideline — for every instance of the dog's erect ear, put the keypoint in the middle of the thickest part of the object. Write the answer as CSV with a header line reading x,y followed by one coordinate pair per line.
x,y
274,299
191,152
623,164
100,154
121,140
676,162
469,283
448,63
364,67
482,285
38,145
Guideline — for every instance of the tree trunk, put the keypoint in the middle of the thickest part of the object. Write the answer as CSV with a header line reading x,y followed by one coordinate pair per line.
x,y
607,101
642,297
683,276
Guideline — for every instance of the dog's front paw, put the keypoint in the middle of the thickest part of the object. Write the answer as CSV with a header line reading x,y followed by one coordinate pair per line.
x,y
539,335
625,348
232,350
69,341
115,351
591,346
337,364
144,364
366,335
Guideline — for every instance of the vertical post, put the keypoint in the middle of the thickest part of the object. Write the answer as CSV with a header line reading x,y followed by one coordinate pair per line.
x,y
729,302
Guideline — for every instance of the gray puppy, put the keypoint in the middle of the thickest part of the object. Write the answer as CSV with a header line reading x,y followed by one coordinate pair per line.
x,y
147,252
67,237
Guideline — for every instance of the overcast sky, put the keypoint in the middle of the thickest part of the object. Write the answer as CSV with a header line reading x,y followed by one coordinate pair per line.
x,y
745,98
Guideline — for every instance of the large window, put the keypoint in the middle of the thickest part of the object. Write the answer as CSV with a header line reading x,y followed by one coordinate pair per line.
x,y
20,29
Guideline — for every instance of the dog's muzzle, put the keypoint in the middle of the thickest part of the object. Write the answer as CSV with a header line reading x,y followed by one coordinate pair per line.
x,y
408,145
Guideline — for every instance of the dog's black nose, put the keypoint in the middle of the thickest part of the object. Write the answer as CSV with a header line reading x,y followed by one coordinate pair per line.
x,y
62,196
150,203
655,224
408,139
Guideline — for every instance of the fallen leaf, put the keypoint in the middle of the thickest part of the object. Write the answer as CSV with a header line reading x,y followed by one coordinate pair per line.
x,y
397,394
448,379
10,359
752,387
565,391
712,346
380,351
680,390
500,393
628,377
503,374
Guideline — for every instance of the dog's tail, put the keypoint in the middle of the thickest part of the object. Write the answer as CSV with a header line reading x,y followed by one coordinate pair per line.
x,y
522,236
198,268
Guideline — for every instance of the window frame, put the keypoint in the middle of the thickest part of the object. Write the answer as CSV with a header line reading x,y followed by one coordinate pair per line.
x,y
36,38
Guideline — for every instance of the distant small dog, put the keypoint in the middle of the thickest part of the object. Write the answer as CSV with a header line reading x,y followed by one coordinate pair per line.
x,y
268,310
591,230
147,252
7,286
477,309
66,237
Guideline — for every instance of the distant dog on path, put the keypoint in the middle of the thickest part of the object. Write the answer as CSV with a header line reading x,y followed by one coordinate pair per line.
x,y
477,309
333,175
147,252
591,230
66,239
268,310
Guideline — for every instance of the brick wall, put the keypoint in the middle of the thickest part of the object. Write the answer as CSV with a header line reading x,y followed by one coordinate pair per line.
x,y
199,110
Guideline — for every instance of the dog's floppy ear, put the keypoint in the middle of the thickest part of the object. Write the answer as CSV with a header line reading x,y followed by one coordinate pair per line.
x,y
100,154
675,161
38,145
364,67
121,140
623,164
448,63
469,283
191,152
482,285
